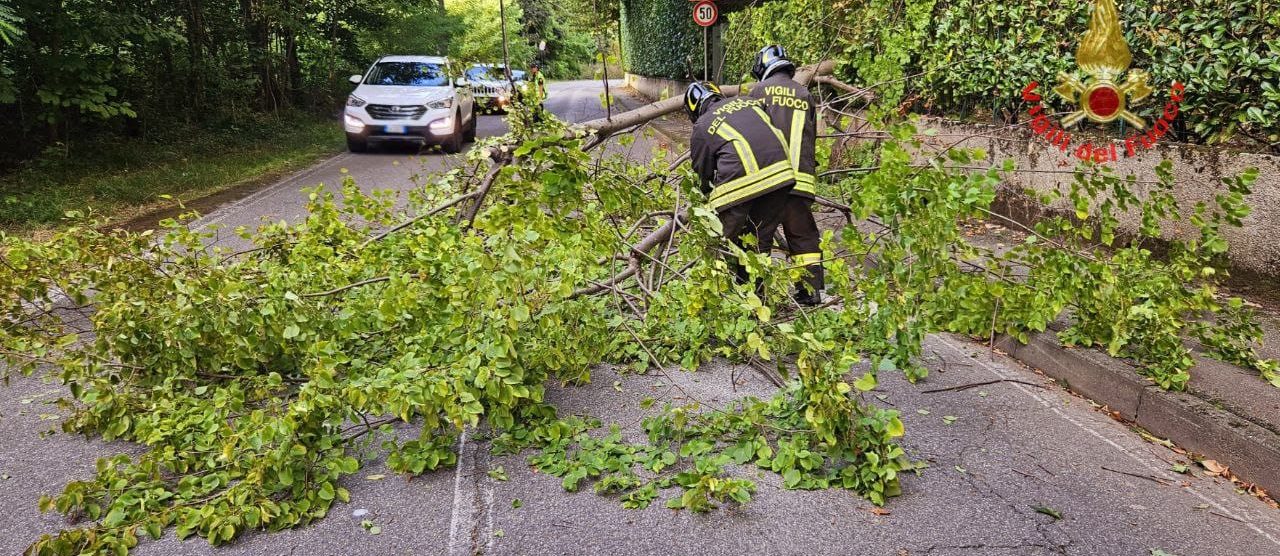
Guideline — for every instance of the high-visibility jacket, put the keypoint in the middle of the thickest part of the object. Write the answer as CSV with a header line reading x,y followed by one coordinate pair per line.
x,y
738,154
539,85
791,109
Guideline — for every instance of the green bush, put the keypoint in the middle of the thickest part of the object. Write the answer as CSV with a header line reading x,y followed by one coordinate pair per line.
x,y
660,39
964,57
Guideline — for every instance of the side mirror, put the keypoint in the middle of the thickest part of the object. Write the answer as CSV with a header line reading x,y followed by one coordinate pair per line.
x,y
356,79
461,82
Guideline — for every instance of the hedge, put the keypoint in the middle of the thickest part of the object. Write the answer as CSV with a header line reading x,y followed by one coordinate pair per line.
x,y
660,39
969,58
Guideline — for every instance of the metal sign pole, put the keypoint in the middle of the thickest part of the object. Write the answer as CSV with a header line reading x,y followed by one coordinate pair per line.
x,y
706,54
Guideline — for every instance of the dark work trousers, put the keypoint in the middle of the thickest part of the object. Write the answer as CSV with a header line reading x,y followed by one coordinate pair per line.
x,y
803,240
753,217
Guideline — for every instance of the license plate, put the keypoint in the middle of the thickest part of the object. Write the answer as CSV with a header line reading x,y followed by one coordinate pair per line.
x,y
395,129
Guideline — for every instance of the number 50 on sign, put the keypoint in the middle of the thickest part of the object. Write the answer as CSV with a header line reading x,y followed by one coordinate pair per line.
x,y
705,13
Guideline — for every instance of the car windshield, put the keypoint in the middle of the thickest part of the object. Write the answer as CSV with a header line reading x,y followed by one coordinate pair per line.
x,y
482,73
517,75
409,74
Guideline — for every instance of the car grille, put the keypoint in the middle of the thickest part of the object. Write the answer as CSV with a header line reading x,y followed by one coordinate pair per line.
x,y
388,112
488,90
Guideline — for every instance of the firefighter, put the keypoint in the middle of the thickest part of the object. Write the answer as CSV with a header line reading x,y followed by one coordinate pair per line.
x,y
533,93
791,109
538,83
742,161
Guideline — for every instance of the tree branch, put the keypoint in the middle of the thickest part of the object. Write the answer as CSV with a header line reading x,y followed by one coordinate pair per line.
x,y
348,287
838,84
481,193
604,127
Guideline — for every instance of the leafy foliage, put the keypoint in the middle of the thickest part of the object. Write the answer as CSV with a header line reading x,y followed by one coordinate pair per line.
x,y
967,57
659,39
566,27
8,23
257,380
482,40
1132,299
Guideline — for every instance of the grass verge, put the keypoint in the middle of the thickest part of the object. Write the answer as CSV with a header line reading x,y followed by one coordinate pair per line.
x,y
121,179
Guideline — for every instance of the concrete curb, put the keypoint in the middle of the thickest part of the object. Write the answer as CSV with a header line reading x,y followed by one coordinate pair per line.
x,y
1252,452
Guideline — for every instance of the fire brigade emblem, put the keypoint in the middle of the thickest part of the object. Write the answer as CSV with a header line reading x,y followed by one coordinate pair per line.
x,y
1104,57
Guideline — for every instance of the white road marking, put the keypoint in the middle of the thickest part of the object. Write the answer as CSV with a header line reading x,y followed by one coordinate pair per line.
x,y
1135,457
463,520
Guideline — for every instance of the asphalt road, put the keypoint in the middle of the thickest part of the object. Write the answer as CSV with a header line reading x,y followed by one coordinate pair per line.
x,y
390,167
1011,448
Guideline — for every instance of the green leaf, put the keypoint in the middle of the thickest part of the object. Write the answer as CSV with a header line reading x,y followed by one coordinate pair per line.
x,y
1048,511
791,477
895,427
867,383
114,518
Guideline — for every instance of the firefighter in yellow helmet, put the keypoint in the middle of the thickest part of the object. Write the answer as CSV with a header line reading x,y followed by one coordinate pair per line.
x,y
742,160
792,110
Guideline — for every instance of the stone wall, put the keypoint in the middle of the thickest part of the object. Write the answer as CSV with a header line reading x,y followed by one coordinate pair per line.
x,y
655,88
1198,172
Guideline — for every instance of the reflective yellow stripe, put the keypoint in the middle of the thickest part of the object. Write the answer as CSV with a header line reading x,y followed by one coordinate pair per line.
x,y
748,192
806,259
806,183
741,145
745,181
797,137
751,184
776,132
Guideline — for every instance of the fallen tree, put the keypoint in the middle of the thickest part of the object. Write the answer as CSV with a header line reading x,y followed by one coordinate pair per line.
x,y
605,127
256,380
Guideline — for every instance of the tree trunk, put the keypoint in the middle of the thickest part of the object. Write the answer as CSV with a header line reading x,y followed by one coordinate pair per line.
x,y
259,34
290,29
194,19
604,127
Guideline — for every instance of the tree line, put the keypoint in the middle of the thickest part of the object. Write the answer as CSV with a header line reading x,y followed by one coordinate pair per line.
x,y
72,69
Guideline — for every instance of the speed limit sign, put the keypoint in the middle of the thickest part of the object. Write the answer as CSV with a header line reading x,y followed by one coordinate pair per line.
x,y
705,13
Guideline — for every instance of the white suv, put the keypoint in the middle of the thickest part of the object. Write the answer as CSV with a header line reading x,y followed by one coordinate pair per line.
x,y
410,98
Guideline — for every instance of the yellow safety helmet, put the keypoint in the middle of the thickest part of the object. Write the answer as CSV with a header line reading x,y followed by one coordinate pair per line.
x,y
698,96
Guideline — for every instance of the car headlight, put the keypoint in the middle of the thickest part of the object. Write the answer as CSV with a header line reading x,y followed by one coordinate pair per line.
x,y
442,103
355,101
